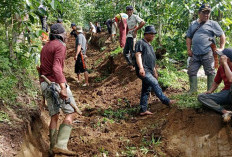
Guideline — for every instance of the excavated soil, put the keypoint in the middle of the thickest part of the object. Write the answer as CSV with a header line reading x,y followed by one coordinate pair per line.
x,y
110,124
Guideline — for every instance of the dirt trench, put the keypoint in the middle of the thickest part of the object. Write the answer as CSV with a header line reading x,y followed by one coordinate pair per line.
x,y
111,126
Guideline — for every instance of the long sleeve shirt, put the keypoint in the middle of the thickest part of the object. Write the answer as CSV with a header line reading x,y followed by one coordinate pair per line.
x,y
52,61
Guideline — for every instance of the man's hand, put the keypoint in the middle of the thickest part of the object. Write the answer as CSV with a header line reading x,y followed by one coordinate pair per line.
x,y
219,49
63,94
223,60
142,72
134,33
207,92
75,57
190,53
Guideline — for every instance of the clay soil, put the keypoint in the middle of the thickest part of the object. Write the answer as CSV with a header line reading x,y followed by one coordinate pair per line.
x,y
111,126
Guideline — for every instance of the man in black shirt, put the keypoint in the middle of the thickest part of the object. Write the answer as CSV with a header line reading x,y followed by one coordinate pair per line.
x,y
74,27
146,71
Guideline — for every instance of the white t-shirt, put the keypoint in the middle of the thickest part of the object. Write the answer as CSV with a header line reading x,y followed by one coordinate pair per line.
x,y
132,23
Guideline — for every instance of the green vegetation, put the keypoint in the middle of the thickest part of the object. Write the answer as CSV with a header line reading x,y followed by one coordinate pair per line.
x,y
116,52
4,117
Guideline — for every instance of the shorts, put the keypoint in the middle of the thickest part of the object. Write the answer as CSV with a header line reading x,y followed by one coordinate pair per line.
x,y
113,29
80,66
54,107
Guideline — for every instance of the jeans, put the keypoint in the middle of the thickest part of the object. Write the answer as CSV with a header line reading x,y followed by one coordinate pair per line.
x,y
149,82
215,100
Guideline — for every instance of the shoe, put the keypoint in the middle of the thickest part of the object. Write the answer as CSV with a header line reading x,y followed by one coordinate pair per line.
x,y
85,85
227,116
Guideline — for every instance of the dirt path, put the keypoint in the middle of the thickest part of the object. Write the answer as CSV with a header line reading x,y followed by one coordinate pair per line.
x,y
111,126
120,131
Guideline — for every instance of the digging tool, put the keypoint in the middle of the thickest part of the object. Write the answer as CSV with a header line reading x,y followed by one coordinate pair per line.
x,y
214,48
67,101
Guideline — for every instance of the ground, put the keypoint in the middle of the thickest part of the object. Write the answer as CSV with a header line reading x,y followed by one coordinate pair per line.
x,y
110,124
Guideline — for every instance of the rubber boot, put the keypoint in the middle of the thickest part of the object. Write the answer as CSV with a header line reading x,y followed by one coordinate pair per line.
x,y
53,137
210,79
62,141
193,84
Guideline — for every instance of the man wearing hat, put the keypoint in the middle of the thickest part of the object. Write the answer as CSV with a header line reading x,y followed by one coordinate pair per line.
x,y
134,23
215,100
80,50
52,64
146,71
198,46
74,28
59,20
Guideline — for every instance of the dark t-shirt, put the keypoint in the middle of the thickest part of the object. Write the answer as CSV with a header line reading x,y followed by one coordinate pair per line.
x,y
148,56
74,33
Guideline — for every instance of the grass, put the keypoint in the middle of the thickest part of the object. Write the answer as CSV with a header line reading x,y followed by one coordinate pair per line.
x,y
116,52
4,117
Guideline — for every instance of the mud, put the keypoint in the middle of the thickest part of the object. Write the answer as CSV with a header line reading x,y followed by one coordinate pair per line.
x,y
110,124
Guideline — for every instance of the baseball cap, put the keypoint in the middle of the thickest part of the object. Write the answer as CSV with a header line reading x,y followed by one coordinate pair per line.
x,y
129,7
59,20
227,52
73,24
205,7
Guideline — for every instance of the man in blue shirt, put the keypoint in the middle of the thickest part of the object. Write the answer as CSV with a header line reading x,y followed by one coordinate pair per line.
x,y
198,46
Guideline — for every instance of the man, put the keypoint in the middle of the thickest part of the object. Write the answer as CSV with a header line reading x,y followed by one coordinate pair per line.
x,y
109,25
215,100
132,27
74,28
146,71
121,20
52,64
43,19
59,20
98,27
198,46
80,50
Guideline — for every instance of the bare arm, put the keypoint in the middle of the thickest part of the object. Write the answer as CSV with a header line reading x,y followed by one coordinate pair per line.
x,y
189,44
213,88
139,62
222,42
226,67
141,24
78,50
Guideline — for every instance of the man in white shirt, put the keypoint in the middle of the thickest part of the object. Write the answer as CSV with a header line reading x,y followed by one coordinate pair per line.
x,y
134,23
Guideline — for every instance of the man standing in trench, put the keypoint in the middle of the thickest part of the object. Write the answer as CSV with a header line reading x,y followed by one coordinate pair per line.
x,y
198,46
146,71
52,64
134,23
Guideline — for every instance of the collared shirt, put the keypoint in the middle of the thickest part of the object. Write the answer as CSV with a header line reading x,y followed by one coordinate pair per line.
x,y
221,75
52,61
81,40
200,41
148,56
132,23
